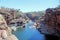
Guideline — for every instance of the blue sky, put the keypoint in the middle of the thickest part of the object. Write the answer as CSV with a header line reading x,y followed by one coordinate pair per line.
x,y
29,5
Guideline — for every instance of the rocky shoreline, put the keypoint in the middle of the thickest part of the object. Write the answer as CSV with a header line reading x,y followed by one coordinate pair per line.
x,y
5,31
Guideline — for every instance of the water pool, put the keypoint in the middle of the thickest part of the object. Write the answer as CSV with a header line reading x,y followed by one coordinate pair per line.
x,y
29,33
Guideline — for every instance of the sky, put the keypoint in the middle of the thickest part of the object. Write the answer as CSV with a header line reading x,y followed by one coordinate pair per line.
x,y
29,5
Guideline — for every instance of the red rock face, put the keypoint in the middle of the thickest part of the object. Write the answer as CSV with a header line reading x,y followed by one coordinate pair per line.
x,y
58,18
52,16
52,19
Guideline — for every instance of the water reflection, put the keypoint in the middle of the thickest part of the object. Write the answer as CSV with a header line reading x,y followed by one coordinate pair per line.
x,y
29,33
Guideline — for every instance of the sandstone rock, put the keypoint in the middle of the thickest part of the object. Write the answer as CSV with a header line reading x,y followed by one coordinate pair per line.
x,y
5,31
11,37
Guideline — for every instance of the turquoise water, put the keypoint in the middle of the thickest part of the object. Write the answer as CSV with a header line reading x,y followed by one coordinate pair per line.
x,y
29,33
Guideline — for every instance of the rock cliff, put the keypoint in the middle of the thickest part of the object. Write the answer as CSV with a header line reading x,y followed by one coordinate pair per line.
x,y
5,31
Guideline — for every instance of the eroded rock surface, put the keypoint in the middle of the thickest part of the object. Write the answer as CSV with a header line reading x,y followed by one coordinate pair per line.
x,y
5,32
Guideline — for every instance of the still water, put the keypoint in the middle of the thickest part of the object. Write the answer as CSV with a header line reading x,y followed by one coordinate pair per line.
x,y
29,33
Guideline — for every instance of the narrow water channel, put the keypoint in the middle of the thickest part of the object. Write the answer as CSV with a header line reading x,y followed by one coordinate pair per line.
x,y
29,33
